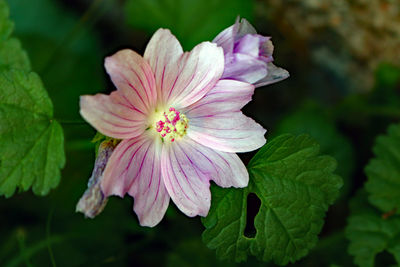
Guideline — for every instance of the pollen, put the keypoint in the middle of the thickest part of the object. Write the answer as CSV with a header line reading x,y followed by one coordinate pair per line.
x,y
172,125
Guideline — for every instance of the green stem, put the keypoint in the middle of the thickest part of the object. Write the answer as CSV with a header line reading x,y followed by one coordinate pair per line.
x,y
49,248
21,242
72,122
30,251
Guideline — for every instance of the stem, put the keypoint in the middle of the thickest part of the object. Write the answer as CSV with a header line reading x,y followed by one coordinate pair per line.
x,y
49,248
30,251
21,243
71,122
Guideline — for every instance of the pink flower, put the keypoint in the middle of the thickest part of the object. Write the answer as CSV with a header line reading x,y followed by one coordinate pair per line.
x,y
179,123
248,55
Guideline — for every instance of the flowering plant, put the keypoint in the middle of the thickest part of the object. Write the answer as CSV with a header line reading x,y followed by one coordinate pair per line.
x,y
180,124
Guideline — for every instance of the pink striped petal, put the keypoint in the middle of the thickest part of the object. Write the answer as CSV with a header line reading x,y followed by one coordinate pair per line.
x,y
163,52
134,168
187,168
216,121
112,115
229,132
226,96
183,78
187,186
132,75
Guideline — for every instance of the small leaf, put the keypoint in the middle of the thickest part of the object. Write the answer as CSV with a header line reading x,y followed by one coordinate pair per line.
x,y
32,143
370,233
383,172
295,185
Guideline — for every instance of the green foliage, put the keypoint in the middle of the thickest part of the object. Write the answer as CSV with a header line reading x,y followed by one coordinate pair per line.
x,y
32,142
295,185
32,150
63,50
313,120
11,53
370,233
383,172
191,21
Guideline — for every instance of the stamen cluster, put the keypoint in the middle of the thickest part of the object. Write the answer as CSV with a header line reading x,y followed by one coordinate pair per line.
x,y
172,125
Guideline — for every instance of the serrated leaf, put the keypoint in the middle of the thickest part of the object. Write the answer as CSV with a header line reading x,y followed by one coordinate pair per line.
x,y
295,185
191,21
370,233
11,53
312,119
32,143
383,172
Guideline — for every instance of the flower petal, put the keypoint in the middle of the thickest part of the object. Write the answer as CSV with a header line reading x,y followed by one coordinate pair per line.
x,y
226,96
188,187
244,68
134,168
112,115
183,78
197,72
275,74
216,121
163,52
226,38
229,132
133,76
187,167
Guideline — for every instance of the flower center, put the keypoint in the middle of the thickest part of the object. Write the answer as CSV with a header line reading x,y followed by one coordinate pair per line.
x,y
171,125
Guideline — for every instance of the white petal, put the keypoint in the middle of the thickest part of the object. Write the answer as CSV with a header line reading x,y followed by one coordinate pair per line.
x,y
132,75
135,168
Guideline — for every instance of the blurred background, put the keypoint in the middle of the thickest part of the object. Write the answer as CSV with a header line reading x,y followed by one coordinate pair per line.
x,y
344,90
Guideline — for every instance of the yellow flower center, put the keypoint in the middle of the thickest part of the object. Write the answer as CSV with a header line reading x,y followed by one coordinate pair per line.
x,y
171,125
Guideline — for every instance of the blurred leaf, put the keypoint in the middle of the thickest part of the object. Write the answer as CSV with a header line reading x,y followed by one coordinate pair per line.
x,y
383,172
32,150
63,50
6,26
311,119
295,185
387,75
11,53
370,234
191,21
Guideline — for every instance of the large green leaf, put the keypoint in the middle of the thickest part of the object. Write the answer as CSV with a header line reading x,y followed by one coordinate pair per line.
x,y
383,172
370,233
32,142
295,185
191,21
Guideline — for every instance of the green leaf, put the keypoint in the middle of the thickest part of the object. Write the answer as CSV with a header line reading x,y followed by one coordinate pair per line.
x,y
11,53
313,120
295,185
64,51
383,172
32,150
191,21
6,26
370,233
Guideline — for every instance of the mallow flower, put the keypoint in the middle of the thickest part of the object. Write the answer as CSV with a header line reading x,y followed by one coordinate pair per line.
x,y
179,123
248,55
